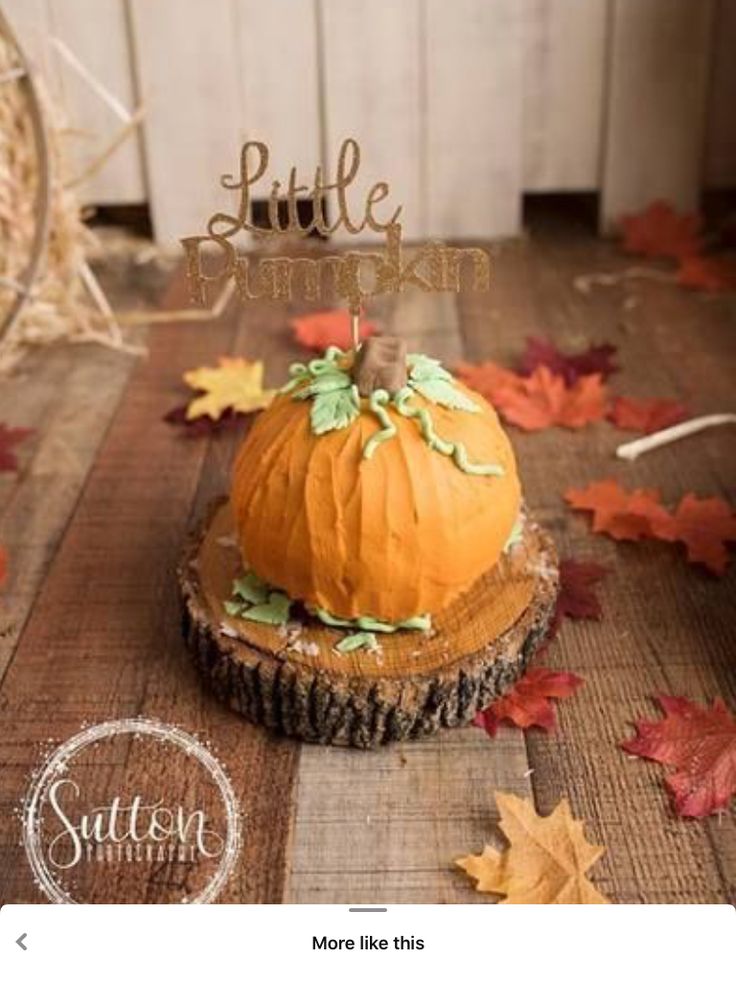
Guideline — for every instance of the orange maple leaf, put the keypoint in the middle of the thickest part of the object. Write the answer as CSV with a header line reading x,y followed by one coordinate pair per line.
x,y
624,515
543,400
714,274
529,703
488,378
329,328
660,231
646,415
700,744
704,526
545,862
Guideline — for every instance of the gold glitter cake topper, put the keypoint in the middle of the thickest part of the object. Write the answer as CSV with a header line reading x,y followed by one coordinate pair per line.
x,y
433,268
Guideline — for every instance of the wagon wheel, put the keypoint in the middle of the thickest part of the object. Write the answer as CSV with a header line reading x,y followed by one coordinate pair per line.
x,y
22,76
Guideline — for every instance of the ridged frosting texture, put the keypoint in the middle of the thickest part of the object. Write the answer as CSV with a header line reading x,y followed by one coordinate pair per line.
x,y
394,536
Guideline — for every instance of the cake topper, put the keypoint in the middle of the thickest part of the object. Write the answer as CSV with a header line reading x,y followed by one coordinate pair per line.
x,y
354,276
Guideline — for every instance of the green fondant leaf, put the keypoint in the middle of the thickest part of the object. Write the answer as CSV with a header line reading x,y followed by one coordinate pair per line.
x,y
331,380
423,622
354,642
275,611
423,368
234,609
444,392
334,410
251,588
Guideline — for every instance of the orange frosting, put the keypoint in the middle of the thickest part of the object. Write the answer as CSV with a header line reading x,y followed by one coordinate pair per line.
x,y
392,537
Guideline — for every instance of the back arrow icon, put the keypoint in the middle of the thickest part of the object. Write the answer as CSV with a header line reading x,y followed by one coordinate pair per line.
x,y
20,940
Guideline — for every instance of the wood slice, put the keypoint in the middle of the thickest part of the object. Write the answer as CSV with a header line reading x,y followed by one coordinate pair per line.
x,y
292,680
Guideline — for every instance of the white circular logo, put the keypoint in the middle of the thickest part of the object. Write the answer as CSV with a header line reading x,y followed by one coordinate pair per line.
x,y
133,810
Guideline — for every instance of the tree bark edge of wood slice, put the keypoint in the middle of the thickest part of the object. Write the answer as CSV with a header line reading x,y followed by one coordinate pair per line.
x,y
355,700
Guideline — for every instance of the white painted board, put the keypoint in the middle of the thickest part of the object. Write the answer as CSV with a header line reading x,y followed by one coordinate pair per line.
x,y
660,62
372,92
473,54
187,70
276,50
564,88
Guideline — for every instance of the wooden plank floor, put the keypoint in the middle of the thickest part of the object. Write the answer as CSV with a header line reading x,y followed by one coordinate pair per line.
x,y
106,489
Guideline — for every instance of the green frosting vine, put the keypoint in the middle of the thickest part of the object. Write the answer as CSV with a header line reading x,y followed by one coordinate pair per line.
x,y
456,450
377,401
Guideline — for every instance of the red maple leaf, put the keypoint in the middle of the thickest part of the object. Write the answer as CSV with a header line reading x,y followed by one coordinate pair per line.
x,y
659,231
9,438
714,274
543,400
704,526
700,744
576,598
528,702
329,328
3,565
624,515
646,415
596,360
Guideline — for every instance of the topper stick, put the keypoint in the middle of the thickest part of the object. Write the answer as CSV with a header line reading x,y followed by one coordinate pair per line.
x,y
355,328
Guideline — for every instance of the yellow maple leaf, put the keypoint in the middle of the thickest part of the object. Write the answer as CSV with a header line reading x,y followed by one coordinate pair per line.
x,y
235,384
545,862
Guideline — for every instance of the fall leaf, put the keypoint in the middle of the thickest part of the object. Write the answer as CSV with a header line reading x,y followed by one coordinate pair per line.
x,y
625,516
646,415
528,702
3,565
488,379
704,526
204,425
596,360
328,328
576,598
699,743
545,862
10,437
714,274
543,400
659,231
235,384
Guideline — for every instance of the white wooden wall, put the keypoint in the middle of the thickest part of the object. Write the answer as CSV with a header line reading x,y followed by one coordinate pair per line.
x,y
463,105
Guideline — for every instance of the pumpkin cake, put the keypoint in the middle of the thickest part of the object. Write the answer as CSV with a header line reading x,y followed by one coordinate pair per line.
x,y
373,575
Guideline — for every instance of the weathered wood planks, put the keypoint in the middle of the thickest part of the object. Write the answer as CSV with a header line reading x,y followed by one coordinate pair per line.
x,y
327,824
